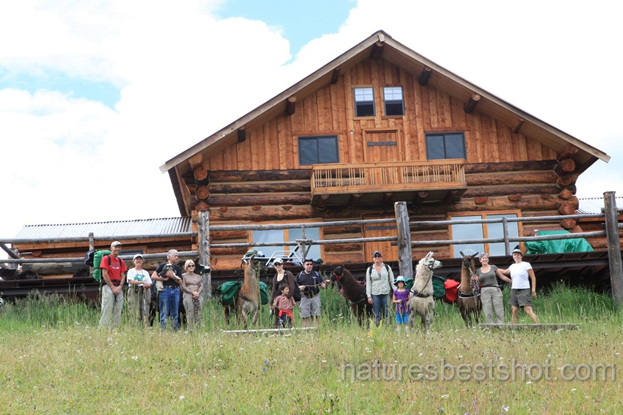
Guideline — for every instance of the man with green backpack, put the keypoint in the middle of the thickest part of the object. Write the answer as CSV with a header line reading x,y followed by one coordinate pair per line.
x,y
113,270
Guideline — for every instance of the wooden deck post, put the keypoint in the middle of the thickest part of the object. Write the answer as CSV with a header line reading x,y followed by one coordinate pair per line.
x,y
614,248
405,257
91,247
203,246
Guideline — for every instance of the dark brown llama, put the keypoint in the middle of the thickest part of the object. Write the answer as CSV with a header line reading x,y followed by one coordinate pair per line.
x,y
354,293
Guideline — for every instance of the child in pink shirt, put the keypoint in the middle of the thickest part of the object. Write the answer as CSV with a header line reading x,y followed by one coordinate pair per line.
x,y
284,305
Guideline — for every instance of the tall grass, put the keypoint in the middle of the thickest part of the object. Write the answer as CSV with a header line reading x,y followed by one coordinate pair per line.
x,y
55,360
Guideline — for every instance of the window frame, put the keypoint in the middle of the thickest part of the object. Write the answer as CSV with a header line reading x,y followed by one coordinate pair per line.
x,y
444,134
366,102
455,248
394,102
319,152
286,236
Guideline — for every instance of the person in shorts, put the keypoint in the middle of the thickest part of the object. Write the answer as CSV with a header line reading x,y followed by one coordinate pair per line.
x,y
523,287
309,282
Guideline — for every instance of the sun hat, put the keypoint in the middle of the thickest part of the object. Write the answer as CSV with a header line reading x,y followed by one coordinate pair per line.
x,y
400,279
517,251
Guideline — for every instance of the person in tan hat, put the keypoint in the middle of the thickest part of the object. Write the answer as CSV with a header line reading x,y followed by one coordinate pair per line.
x,y
522,291
113,276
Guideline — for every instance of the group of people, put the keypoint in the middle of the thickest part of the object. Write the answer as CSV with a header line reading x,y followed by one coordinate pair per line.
x,y
168,283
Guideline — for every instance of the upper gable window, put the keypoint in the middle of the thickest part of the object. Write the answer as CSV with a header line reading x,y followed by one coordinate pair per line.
x,y
318,149
445,146
364,102
394,103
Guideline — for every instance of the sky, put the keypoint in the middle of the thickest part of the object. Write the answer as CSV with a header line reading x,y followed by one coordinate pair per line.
x,y
96,95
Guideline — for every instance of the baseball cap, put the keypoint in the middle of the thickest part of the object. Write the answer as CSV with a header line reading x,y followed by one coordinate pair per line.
x,y
137,256
116,243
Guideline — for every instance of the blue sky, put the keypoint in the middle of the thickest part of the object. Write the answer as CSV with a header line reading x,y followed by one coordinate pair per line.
x,y
99,94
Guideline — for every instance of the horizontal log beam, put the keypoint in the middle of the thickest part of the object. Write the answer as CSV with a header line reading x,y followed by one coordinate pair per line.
x,y
291,105
377,51
511,177
258,175
242,134
568,152
259,200
257,187
564,167
346,247
470,105
425,76
335,76
511,190
509,166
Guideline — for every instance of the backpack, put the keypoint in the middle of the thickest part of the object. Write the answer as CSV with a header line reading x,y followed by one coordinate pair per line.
x,y
387,268
97,260
227,292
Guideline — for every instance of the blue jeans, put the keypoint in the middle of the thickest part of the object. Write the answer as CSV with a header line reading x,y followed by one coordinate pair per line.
x,y
379,306
169,304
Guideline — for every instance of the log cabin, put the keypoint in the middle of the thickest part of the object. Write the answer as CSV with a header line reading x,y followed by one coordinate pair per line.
x,y
379,124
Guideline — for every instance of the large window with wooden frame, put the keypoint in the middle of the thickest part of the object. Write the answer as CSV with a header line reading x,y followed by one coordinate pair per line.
x,y
318,149
364,102
474,231
394,103
445,146
287,235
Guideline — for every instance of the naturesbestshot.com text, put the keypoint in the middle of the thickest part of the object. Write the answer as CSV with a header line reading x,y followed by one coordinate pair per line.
x,y
489,370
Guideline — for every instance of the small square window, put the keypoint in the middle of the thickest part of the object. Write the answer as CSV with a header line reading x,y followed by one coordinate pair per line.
x,y
394,103
318,150
445,146
364,102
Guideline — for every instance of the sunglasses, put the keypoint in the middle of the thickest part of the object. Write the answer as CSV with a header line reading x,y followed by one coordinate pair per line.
x,y
278,264
190,266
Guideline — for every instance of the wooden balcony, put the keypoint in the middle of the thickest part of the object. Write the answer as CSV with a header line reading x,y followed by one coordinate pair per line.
x,y
377,184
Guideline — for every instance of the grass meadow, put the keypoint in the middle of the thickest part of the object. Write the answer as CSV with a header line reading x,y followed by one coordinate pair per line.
x,y
55,360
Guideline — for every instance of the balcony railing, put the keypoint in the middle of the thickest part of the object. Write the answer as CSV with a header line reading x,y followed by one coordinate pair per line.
x,y
388,177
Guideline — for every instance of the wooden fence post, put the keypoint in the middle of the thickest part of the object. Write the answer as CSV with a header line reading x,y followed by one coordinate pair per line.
x,y
614,248
203,246
91,247
405,256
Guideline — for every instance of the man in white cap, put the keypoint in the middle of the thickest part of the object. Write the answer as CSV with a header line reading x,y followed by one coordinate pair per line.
x,y
113,275
139,290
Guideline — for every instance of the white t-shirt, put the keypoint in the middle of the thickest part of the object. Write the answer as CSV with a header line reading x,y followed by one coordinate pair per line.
x,y
520,275
141,275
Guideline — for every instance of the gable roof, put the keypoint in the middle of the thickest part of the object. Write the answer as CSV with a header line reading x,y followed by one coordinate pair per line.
x,y
400,55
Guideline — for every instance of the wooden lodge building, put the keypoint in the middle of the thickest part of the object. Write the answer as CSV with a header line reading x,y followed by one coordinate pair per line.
x,y
376,125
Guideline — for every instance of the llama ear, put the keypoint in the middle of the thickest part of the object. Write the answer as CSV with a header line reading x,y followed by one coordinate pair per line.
x,y
462,254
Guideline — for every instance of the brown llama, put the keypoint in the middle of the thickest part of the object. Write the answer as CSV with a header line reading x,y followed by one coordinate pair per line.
x,y
468,300
354,293
248,300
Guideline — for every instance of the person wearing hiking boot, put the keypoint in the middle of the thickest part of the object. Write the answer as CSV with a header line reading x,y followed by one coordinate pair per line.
x,y
113,277
169,299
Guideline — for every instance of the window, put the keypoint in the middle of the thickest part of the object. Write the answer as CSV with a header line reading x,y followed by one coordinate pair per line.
x,y
364,102
445,146
481,231
287,235
314,150
392,96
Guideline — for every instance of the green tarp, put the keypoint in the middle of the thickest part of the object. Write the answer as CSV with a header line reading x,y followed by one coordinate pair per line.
x,y
557,246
